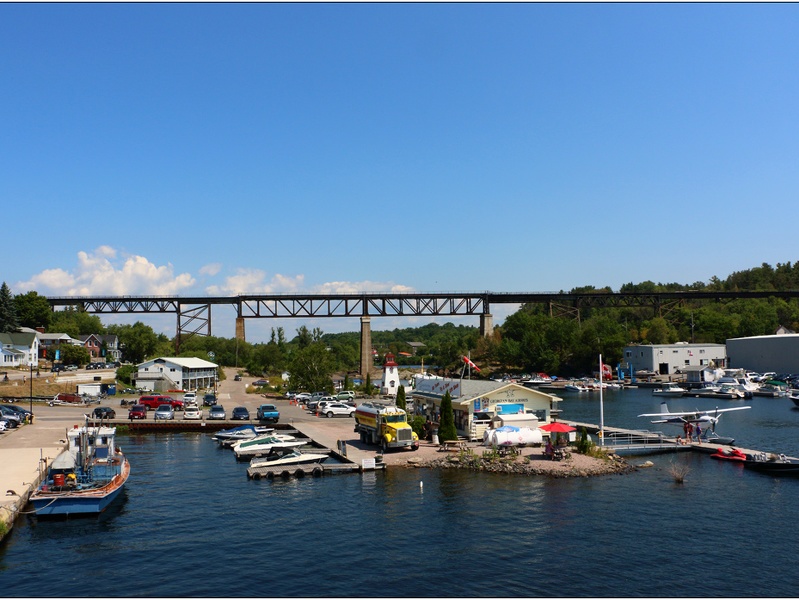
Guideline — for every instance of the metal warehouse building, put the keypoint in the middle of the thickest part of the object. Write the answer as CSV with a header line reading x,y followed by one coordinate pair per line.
x,y
779,353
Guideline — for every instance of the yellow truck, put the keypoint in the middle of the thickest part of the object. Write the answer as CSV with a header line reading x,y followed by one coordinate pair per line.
x,y
385,425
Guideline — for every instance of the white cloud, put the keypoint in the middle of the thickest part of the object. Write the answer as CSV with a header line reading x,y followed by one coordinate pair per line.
x,y
253,281
100,272
210,269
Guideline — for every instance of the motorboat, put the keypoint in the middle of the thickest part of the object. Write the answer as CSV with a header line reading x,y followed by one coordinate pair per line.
x,y
537,379
278,457
86,477
669,389
794,396
729,454
773,464
262,445
726,391
243,432
575,387
771,390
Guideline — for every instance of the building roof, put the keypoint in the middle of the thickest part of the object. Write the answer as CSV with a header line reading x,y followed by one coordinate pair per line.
x,y
18,338
188,362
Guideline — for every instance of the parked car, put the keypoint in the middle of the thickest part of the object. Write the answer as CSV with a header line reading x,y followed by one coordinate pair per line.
x,y
71,368
190,398
346,395
237,377
260,382
240,413
57,368
104,412
137,411
128,390
165,412
22,412
217,412
337,409
318,395
290,395
193,412
2,425
209,400
13,419
313,405
155,401
303,397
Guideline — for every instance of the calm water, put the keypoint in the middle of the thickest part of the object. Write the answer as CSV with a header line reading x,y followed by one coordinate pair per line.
x,y
192,524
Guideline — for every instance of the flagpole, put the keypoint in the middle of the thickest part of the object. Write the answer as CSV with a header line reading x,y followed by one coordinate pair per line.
x,y
601,407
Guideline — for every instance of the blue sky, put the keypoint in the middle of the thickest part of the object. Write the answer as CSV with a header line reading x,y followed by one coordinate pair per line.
x,y
265,148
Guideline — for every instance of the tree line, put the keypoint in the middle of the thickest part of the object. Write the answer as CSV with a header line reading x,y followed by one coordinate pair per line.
x,y
528,341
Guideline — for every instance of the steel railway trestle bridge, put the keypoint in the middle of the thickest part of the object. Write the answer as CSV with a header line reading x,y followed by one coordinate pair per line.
x,y
194,312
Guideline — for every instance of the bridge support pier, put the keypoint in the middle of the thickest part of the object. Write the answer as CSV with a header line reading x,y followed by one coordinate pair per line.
x,y
240,329
486,324
366,346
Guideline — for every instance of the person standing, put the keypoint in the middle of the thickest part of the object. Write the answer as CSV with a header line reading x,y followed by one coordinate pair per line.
x,y
699,434
690,433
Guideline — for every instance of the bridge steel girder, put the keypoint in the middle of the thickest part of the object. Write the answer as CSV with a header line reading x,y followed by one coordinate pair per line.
x,y
191,319
362,305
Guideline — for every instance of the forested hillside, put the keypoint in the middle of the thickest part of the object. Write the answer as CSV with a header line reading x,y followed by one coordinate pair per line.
x,y
529,340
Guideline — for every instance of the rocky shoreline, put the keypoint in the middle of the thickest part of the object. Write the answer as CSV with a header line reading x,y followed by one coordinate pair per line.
x,y
577,465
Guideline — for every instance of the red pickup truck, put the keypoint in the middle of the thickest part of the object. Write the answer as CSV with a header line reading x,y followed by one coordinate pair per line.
x,y
153,402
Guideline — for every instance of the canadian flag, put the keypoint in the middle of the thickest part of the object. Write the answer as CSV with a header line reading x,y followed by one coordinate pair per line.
x,y
471,364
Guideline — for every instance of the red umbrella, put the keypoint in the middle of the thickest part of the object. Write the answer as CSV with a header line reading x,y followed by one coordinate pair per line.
x,y
557,427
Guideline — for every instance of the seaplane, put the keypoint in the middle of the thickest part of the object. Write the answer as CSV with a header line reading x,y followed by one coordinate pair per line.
x,y
704,417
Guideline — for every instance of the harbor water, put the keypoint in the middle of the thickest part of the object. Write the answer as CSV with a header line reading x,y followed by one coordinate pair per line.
x,y
191,523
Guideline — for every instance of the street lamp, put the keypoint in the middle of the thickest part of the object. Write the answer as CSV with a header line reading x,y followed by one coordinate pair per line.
x,y
31,396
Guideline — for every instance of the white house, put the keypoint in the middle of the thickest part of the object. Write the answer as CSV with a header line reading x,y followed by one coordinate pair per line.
x,y
476,403
163,374
19,349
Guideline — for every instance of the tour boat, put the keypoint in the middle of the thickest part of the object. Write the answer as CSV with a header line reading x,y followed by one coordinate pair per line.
x,y
86,477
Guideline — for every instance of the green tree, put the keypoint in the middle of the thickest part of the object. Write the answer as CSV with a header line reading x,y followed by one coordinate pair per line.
x,y
8,312
446,427
139,342
75,322
33,310
311,368
74,355
401,398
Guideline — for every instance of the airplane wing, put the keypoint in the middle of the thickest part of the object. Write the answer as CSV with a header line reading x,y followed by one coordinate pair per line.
x,y
694,413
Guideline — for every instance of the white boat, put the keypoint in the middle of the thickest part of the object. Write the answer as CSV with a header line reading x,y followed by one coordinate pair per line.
x,y
725,391
286,456
670,389
575,387
243,432
263,445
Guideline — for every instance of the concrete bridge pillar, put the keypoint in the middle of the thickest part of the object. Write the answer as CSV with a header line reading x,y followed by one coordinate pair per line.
x,y
366,346
240,329
486,324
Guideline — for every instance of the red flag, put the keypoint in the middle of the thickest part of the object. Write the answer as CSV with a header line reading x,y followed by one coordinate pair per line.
x,y
471,364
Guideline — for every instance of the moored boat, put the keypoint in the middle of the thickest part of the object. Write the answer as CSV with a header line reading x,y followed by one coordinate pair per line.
x,y
243,432
670,389
86,477
772,464
262,445
279,457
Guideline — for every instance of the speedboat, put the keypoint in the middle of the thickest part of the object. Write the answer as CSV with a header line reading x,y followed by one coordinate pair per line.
x,y
670,389
575,387
729,454
86,477
773,464
726,391
263,445
279,457
243,432
794,396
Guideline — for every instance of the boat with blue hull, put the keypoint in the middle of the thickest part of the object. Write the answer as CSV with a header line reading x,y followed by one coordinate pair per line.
x,y
84,479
